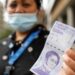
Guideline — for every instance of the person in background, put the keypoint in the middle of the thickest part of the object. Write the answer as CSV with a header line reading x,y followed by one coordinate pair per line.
x,y
27,41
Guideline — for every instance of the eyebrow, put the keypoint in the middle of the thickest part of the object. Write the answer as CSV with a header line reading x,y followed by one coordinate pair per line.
x,y
25,1
13,1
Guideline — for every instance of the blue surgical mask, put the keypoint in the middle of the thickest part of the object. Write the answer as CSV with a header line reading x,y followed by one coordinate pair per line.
x,y
21,22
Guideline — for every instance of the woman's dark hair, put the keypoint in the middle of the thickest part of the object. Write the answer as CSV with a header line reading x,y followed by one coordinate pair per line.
x,y
38,3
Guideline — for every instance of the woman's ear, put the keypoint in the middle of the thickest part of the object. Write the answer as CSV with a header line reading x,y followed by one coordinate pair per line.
x,y
41,16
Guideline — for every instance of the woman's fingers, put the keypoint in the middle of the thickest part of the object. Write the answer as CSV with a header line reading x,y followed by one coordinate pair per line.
x,y
68,66
70,62
67,70
71,53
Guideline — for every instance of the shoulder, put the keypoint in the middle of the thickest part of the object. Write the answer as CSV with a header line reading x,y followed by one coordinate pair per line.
x,y
44,32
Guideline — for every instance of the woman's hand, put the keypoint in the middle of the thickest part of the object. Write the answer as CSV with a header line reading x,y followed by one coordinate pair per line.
x,y
69,63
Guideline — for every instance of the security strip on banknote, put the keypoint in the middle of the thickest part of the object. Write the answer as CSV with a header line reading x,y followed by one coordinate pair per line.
x,y
50,61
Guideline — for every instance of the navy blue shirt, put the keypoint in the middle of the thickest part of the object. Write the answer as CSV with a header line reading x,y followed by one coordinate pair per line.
x,y
26,61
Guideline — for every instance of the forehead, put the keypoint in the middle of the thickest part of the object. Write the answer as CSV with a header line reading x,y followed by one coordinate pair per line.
x,y
29,1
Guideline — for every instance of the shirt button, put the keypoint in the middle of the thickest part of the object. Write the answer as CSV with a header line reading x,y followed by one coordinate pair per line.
x,y
10,36
30,49
22,45
36,37
44,29
5,57
11,45
40,27
45,36
4,43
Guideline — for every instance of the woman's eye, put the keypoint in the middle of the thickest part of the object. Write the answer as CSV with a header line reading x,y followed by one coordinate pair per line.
x,y
13,5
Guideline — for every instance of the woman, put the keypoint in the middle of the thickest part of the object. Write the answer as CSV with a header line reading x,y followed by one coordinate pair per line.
x,y
28,39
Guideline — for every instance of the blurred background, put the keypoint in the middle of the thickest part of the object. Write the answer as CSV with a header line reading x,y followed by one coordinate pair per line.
x,y
61,10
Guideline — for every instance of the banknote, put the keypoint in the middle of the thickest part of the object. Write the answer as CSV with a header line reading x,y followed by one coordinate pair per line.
x,y
50,61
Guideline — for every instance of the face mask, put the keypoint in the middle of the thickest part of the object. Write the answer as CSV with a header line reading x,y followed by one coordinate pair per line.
x,y
21,22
